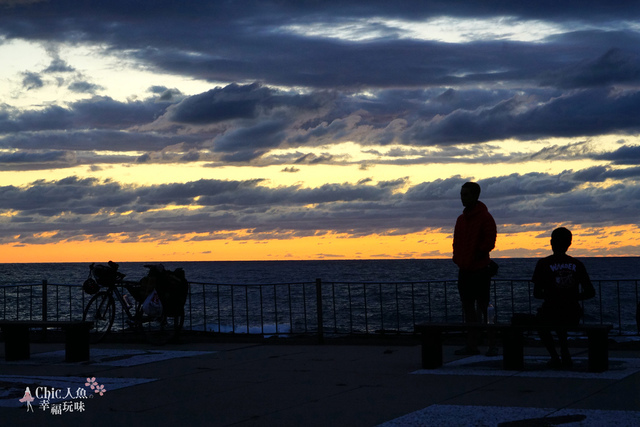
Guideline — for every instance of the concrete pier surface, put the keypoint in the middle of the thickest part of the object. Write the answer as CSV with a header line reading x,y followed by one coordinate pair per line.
x,y
202,382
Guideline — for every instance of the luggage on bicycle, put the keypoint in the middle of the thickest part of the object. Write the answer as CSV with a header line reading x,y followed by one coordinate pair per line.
x,y
105,275
90,286
139,291
101,275
172,288
152,306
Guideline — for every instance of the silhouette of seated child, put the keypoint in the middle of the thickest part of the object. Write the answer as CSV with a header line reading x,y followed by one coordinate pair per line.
x,y
561,281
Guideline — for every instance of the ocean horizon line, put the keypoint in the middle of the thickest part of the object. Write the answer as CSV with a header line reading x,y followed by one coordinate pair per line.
x,y
308,260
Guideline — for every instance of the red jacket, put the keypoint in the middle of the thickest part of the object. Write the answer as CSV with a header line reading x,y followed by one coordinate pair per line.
x,y
473,238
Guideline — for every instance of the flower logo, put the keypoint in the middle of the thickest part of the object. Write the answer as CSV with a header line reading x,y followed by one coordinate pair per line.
x,y
97,388
100,389
91,382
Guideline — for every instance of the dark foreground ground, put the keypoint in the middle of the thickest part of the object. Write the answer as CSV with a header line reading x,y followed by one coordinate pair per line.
x,y
204,381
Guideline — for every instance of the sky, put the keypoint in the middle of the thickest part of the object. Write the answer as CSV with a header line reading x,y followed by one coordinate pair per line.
x,y
161,130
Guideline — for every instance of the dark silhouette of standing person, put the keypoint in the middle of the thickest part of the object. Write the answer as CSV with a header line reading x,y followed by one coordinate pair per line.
x,y
473,238
557,280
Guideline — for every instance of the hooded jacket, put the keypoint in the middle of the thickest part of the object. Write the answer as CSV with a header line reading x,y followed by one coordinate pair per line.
x,y
473,238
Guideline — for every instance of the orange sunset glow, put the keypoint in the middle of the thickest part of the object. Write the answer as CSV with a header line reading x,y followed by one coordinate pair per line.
x,y
424,245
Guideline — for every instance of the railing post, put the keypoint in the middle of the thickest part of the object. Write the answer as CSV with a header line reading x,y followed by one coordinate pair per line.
x,y
44,301
319,311
45,304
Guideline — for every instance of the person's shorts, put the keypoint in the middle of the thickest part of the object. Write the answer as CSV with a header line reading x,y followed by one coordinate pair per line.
x,y
474,286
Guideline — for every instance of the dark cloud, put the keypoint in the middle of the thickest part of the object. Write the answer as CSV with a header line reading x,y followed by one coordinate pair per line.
x,y
84,87
145,158
221,42
30,157
94,140
191,156
104,112
312,159
614,67
573,150
75,206
169,95
625,155
231,102
582,113
58,65
32,81
279,119
54,117
266,134
95,113
158,89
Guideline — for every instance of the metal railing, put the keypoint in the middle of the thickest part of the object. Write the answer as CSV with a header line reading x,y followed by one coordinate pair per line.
x,y
326,308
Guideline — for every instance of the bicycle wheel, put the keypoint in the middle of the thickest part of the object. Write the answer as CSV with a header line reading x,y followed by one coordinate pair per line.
x,y
100,310
163,329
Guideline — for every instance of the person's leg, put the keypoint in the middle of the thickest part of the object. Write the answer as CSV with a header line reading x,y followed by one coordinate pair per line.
x,y
547,338
469,311
472,316
564,349
482,311
465,288
570,318
484,296
479,290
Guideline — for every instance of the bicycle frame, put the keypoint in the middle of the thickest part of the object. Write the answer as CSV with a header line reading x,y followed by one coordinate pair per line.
x,y
120,297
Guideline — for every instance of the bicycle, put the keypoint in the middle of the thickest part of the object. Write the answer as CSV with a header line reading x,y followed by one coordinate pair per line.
x,y
101,308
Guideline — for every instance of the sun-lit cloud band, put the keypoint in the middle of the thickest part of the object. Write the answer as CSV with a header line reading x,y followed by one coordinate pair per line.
x,y
314,130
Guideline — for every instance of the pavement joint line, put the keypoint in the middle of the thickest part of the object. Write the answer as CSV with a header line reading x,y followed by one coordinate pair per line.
x,y
514,416
108,357
535,366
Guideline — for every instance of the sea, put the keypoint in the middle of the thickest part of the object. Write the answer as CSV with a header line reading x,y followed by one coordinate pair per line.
x,y
262,272
358,295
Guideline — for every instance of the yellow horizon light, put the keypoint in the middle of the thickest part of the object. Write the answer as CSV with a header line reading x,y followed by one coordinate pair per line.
x,y
428,244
